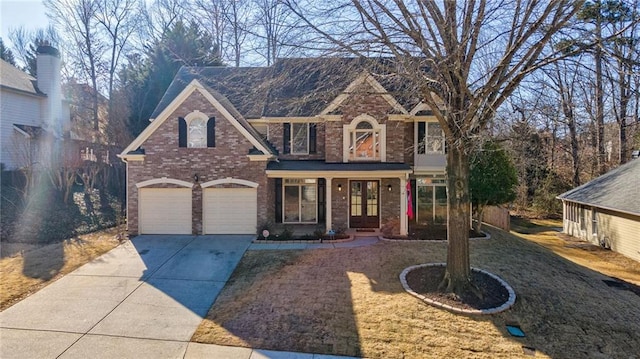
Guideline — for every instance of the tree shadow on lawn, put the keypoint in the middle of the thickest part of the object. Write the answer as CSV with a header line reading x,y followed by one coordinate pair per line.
x,y
350,302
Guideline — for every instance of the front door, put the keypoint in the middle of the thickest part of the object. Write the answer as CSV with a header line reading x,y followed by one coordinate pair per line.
x,y
364,204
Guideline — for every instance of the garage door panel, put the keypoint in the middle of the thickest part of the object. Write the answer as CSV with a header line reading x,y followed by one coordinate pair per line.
x,y
230,210
165,210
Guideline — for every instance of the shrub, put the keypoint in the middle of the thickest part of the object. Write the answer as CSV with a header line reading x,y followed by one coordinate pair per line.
x,y
286,234
544,200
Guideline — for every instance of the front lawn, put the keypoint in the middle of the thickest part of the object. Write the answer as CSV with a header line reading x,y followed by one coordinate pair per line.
x,y
350,302
27,269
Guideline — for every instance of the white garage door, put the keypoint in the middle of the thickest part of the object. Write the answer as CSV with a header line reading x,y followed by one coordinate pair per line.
x,y
230,210
165,210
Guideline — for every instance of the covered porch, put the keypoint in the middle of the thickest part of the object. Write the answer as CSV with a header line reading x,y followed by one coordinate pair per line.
x,y
341,196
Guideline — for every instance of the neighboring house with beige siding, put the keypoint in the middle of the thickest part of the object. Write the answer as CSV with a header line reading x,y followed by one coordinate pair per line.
x,y
606,211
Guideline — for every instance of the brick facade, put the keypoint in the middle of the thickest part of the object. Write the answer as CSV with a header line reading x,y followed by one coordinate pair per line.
x,y
163,158
340,204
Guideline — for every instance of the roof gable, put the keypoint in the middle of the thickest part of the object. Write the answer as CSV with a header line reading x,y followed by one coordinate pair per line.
x,y
218,101
365,78
616,190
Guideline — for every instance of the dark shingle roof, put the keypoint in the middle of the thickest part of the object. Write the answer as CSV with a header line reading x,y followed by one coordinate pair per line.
x,y
618,189
13,78
291,87
242,86
322,166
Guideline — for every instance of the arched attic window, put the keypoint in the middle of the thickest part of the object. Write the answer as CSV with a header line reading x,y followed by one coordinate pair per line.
x,y
364,140
196,131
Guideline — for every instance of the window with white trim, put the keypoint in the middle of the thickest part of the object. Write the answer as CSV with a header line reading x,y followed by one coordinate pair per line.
x,y
196,130
364,140
430,138
300,204
431,200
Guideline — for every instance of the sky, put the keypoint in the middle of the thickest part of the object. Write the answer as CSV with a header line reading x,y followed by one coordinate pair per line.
x,y
16,13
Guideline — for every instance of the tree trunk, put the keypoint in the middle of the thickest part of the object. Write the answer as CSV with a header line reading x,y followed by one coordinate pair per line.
x,y
600,155
457,277
625,97
480,210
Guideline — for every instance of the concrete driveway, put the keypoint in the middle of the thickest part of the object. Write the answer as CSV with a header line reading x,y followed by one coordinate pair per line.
x,y
143,299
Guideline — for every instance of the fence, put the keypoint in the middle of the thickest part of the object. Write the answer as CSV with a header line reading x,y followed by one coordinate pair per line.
x,y
498,217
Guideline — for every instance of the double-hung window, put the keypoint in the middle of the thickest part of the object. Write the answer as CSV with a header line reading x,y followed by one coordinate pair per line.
x,y
299,138
430,138
300,203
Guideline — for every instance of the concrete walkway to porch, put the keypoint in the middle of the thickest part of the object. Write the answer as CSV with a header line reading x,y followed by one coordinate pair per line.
x,y
357,241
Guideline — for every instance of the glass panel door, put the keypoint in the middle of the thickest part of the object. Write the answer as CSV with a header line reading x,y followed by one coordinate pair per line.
x,y
356,199
425,205
372,198
364,203
440,210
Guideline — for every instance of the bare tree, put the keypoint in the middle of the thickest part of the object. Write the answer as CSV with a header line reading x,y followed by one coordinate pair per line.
x,y
62,168
211,14
624,56
25,42
78,19
476,53
119,20
237,16
275,29
162,15
562,78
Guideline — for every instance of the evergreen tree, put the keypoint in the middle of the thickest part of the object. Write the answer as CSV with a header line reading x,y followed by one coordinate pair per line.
x,y
493,178
6,54
147,77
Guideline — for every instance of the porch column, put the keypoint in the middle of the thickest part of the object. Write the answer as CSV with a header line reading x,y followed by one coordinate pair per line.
x,y
328,203
404,224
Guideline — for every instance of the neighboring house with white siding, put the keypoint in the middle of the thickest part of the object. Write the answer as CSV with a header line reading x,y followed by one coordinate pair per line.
x,y
606,210
31,109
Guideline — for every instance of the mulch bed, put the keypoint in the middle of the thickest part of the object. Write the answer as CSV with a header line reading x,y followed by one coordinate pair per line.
x,y
430,233
425,281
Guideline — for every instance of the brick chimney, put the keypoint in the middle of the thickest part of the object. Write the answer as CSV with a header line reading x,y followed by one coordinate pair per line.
x,y
49,82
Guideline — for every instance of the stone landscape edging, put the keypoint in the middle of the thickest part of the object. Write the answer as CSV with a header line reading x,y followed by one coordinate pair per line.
x,y
510,301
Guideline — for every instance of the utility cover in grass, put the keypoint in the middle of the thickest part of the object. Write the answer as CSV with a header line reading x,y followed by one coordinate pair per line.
x,y
515,331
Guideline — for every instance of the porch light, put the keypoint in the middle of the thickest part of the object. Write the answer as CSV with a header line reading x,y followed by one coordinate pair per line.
x,y
389,188
195,178
339,188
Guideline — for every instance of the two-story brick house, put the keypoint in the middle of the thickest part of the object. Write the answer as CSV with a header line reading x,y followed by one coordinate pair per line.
x,y
333,142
